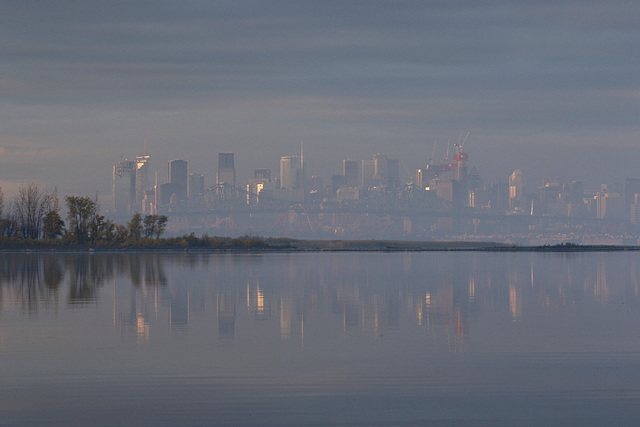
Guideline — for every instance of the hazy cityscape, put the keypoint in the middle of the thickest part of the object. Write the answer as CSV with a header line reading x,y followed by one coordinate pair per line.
x,y
447,198
320,212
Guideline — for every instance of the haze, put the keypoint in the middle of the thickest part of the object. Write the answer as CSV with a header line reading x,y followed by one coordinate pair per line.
x,y
550,87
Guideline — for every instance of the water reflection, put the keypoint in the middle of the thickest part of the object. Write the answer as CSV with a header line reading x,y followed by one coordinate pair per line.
x,y
442,294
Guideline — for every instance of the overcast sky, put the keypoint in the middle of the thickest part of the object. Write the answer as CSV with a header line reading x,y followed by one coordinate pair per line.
x,y
550,87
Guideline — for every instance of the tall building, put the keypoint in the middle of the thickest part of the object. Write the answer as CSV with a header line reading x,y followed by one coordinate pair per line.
x,y
368,173
387,171
516,190
350,172
337,182
196,184
610,206
226,169
262,174
142,177
291,172
178,176
631,188
123,191
418,179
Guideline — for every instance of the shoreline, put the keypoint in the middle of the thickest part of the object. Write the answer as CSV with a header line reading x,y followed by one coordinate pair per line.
x,y
301,246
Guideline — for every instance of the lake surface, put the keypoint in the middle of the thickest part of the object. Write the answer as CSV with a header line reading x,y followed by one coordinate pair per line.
x,y
433,338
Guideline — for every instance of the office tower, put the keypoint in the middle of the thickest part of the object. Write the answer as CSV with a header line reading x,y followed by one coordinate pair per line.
x,y
123,191
178,176
337,182
142,172
226,169
381,165
350,171
419,180
574,193
196,184
634,210
393,179
291,172
386,171
631,188
262,174
499,197
368,173
516,190
316,184
610,206
474,181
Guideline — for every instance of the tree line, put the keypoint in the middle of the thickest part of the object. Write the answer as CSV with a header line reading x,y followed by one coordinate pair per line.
x,y
34,214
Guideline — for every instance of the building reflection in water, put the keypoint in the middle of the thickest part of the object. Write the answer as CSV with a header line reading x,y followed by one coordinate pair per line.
x,y
226,313
343,294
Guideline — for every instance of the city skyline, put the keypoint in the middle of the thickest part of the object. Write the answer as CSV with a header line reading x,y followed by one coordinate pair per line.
x,y
547,87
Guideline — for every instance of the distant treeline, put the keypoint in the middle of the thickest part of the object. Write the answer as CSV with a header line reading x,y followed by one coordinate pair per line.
x,y
32,220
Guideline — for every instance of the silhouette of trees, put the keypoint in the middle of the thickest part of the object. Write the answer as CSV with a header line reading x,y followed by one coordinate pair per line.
x,y
135,227
81,211
154,225
31,205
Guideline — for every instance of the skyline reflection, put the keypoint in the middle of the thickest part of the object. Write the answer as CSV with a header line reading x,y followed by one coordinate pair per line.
x,y
287,295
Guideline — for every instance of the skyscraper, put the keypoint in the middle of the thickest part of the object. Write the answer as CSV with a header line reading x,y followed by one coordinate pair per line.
x,y
196,184
291,172
178,176
387,171
350,171
516,190
226,169
368,173
262,174
142,172
123,191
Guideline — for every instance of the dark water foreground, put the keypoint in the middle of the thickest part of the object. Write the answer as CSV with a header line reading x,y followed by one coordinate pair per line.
x,y
415,338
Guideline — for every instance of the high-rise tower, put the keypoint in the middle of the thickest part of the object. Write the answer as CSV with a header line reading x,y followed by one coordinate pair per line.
x,y
291,172
123,191
226,169
142,172
350,171
178,176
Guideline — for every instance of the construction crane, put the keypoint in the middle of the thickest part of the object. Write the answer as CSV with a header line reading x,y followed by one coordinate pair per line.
x,y
433,152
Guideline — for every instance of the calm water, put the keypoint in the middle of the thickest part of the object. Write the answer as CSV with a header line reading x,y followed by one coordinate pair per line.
x,y
319,338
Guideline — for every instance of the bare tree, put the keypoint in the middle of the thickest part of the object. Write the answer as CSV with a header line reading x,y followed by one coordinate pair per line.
x,y
30,206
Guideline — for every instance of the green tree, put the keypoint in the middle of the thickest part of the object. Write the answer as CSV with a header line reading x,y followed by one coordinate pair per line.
x,y
150,222
81,215
120,233
154,225
135,227
161,225
53,225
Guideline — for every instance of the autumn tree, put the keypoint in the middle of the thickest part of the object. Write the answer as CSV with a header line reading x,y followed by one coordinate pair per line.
x,y
53,225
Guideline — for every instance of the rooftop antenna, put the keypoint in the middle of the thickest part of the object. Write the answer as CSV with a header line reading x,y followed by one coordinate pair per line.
x,y
302,155
447,156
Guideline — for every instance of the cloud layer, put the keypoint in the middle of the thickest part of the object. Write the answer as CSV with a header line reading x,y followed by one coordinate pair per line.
x,y
549,87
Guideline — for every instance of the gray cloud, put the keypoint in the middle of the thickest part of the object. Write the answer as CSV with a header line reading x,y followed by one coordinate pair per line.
x,y
351,78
